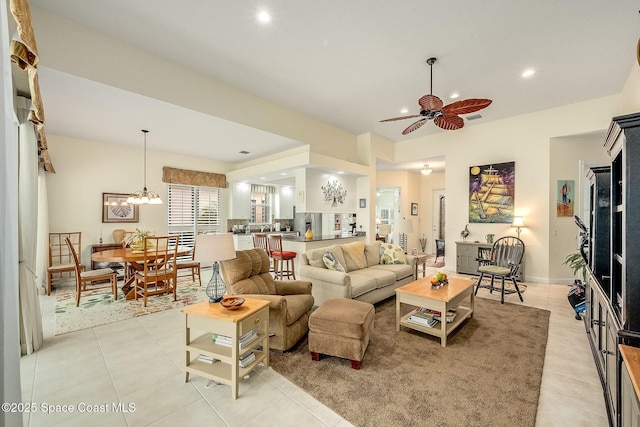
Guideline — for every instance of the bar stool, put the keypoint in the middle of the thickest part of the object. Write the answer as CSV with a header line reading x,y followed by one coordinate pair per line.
x,y
260,241
279,257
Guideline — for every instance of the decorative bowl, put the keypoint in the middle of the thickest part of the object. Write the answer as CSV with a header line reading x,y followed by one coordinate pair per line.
x,y
232,303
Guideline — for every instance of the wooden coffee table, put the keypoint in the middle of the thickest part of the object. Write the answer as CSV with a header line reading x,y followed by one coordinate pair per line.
x,y
420,294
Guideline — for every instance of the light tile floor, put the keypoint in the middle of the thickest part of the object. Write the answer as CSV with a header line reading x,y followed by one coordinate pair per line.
x,y
139,362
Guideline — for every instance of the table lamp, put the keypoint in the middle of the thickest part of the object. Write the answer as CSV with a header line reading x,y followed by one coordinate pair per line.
x,y
518,223
216,248
405,226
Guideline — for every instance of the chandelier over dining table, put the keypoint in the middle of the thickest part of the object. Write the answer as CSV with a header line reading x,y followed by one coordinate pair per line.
x,y
145,196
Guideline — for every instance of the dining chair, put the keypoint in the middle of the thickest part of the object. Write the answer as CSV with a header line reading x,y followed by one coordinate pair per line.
x,y
189,264
158,275
280,257
83,277
61,265
504,262
261,241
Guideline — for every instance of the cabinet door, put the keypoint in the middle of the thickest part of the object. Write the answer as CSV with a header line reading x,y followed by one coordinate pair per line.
x,y
611,361
630,410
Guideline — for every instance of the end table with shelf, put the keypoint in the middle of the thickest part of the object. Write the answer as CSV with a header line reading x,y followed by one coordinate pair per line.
x,y
213,318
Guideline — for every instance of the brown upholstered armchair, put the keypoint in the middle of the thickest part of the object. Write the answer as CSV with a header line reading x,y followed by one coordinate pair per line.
x,y
290,301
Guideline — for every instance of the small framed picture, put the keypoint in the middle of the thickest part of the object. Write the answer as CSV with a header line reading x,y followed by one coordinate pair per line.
x,y
116,209
363,203
414,209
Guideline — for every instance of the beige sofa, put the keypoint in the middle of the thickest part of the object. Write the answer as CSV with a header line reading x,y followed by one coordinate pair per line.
x,y
364,277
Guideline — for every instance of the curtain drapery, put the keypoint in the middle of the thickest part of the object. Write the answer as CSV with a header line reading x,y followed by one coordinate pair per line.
x,y
30,316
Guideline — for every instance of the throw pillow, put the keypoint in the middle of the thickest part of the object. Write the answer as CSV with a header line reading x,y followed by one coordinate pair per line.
x,y
372,253
393,255
354,256
331,262
315,257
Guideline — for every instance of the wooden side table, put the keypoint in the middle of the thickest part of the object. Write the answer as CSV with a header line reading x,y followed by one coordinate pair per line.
x,y
213,318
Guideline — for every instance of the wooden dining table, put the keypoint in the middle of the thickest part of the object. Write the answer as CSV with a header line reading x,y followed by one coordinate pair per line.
x,y
130,259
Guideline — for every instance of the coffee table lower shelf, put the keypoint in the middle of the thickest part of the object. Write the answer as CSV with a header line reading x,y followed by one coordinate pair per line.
x,y
462,313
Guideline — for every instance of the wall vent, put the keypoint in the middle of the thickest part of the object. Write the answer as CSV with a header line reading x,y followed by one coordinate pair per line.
x,y
243,152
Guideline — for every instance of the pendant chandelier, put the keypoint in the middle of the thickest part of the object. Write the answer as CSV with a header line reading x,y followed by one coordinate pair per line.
x,y
145,196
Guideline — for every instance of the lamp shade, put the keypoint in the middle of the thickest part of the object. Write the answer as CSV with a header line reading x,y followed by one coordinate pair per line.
x,y
518,221
214,247
378,221
404,226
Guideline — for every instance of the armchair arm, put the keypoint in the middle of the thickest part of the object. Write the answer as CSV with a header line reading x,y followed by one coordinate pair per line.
x,y
293,287
276,302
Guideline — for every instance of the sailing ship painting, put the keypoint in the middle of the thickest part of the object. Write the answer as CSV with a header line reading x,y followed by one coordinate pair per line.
x,y
491,193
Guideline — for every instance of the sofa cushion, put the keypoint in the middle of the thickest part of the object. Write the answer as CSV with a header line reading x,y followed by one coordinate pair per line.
x,y
315,257
354,256
393,254
361,284
382,277
372,253
400,270
331,262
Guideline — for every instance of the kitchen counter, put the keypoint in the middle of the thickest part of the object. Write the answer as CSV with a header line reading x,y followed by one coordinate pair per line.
x,y
318,238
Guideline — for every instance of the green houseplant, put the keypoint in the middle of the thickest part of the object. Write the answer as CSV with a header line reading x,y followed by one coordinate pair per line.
x,y
576,263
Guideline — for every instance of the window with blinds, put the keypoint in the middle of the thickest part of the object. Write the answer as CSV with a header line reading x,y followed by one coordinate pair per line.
x,y
261,200
193,210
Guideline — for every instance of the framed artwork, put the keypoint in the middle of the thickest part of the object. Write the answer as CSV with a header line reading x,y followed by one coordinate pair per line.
x,y
363,203
565,197
492,193
116,209
414,209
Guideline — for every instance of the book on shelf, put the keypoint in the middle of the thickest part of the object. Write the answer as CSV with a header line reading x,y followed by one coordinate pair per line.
x,y
247,359
427,313
428,322
244,340
207,359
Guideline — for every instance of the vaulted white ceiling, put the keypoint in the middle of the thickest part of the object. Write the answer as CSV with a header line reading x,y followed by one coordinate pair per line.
x,y
347,63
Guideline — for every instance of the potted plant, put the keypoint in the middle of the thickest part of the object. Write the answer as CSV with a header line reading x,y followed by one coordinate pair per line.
x,y
576,262
136,239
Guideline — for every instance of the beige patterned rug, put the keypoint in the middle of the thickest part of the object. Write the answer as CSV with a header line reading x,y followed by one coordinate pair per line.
x,y
97,306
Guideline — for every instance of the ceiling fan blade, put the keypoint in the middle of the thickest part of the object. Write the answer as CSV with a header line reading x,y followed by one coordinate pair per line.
x,y
400,118
466,106
449,122
430,102
414,126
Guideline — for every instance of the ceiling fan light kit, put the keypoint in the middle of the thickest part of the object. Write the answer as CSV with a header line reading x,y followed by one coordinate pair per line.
x,y
444,116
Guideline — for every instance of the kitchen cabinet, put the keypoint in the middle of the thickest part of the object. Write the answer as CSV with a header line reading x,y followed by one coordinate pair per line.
x,y
629,378
243,241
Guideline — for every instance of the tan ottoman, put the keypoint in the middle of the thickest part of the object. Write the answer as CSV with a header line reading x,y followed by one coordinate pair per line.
x,y
341,327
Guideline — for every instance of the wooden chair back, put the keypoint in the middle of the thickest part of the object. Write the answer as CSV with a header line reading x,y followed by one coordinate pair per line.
x,y
260,241
160,256
508,252
74,256
83,277
274,244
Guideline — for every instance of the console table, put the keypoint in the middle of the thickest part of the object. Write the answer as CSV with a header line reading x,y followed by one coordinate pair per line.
x,y
468,252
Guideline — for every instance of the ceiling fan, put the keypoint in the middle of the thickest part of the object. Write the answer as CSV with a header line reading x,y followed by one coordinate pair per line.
x,y
447,116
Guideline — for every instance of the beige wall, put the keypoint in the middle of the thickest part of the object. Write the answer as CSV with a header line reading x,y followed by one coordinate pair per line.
x,y
86,169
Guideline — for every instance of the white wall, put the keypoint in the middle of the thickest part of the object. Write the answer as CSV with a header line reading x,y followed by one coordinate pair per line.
x,y
526,141
314,197
86,169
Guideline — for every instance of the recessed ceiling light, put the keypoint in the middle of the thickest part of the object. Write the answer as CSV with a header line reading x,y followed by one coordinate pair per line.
x,y
283,173
264,17
454,95
404,111
528,72
340,172
262,177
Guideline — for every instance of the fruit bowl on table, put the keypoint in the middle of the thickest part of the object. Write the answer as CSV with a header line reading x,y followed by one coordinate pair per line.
x,y
232,303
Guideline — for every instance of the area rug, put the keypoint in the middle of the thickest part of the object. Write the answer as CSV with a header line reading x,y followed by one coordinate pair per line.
x,y
488,374
97,306
497,285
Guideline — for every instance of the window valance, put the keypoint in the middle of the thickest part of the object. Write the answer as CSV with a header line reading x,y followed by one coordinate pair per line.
x,y
196,178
